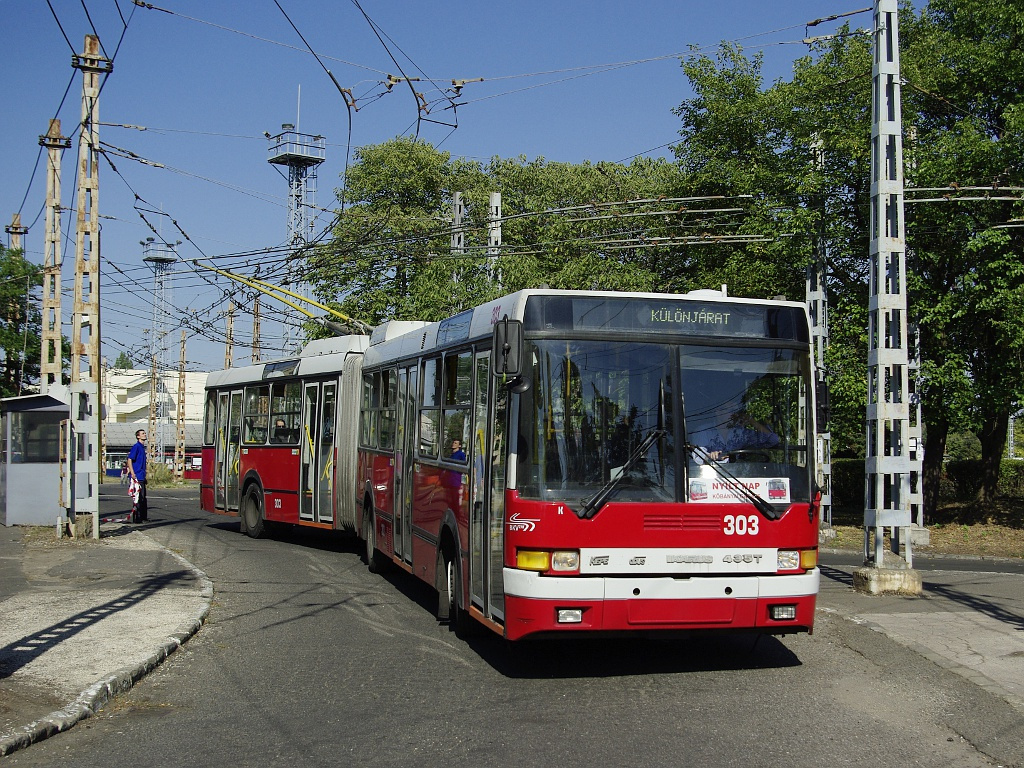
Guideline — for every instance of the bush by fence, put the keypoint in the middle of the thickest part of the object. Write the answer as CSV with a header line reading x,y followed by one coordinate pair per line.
x,y
960,481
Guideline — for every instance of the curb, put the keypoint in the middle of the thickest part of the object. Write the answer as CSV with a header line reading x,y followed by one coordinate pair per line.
x,y
96,696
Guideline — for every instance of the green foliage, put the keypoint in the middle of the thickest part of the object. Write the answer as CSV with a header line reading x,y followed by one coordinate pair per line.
x,y
123,362
963,446
20,320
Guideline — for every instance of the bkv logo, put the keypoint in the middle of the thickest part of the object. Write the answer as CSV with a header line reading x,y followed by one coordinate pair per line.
x,y
517,523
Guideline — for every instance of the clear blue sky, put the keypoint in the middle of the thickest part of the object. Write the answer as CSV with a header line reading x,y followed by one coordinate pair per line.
x,y
566,81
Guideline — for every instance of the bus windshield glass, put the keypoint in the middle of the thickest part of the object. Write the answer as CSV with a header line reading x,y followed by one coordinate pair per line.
x,y
591,404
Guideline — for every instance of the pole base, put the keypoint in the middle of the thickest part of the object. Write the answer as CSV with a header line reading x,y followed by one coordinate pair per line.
x,y
887,581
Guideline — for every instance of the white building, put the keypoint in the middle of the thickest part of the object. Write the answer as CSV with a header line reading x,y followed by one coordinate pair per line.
x,y
126,396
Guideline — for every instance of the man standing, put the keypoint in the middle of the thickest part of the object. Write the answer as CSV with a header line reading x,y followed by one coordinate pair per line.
x,y
137,469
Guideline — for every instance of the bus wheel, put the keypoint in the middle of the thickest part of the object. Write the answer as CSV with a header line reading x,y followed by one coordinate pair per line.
x,y
375,561
449,588
251,513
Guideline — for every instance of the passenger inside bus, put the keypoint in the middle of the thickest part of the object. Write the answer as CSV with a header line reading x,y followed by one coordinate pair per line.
x,y
281,433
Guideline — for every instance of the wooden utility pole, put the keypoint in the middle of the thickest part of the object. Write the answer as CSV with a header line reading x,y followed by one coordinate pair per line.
x,y
51,359
85,341
179,443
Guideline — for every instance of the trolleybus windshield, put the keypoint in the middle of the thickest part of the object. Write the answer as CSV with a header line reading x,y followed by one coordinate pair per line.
x,y
591,404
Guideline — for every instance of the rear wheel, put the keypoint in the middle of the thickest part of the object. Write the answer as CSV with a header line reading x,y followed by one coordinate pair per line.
x,y
252,521
375,560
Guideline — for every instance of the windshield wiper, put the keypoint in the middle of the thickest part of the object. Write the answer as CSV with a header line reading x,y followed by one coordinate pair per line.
x,y
594,504
733,483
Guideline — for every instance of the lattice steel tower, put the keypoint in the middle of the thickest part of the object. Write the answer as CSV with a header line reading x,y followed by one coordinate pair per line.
x,y
160,256
301,153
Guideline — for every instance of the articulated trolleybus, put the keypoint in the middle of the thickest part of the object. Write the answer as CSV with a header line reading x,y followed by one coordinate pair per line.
x,y
552,461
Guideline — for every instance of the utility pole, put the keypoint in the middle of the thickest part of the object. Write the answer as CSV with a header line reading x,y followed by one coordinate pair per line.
x,y
493,235
179,444
16,231
888,464
86,403
256,328
458,245
52,361
160,256
817,306
229,344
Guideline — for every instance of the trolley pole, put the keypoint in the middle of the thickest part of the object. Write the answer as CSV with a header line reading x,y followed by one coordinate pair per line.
x,y
887,495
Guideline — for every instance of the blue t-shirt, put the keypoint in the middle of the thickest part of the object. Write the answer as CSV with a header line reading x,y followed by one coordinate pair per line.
x,y
137,456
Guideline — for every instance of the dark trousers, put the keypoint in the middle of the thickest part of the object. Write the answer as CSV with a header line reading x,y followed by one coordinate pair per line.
x,y
142,505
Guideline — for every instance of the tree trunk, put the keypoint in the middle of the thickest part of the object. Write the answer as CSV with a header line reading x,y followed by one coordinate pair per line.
x,y
937,428
993,441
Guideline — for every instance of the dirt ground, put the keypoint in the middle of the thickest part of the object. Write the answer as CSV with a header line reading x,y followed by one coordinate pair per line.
x,y
958,529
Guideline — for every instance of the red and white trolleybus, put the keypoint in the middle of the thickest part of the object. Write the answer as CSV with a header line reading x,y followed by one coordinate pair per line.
x,y
559,461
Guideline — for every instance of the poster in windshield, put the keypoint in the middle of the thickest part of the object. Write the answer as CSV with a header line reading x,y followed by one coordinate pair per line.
x,y
713,490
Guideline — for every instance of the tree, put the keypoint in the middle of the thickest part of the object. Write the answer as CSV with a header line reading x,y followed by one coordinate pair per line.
x,y
123,362
20,322
390,257
969,281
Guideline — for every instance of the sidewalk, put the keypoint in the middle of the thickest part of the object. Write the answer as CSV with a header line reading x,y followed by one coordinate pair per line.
x,y
970,622
83,620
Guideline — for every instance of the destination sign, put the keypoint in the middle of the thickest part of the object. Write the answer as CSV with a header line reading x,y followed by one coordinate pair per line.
x,y
694,317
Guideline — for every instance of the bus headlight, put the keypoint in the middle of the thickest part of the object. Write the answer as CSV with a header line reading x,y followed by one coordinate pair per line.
x,y
789,560
567,560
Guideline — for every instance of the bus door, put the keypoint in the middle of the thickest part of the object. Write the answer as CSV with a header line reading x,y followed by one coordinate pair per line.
x,y
309,441
233,453
221,451
316,468
404,453
487,492
325,457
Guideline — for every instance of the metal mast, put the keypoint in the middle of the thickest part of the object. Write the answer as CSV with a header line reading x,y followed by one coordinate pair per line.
x,y
817,306
888,465
160,256
51,362
300,153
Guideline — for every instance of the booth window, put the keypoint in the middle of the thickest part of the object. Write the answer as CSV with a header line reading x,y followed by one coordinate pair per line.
x,y
35,437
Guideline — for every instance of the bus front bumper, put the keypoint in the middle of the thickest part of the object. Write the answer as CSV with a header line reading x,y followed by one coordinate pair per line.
x,y
779,604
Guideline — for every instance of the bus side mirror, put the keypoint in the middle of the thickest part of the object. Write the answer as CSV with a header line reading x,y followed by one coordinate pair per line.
x,y
823,409
507,358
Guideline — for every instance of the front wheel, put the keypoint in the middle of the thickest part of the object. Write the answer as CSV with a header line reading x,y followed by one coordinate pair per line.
x,y
252,521
449,587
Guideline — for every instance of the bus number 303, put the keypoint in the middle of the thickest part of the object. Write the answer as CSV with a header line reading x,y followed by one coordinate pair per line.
x,y
738,525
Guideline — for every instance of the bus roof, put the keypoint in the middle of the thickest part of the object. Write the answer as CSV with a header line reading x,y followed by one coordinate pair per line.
x,y
479,322
318,356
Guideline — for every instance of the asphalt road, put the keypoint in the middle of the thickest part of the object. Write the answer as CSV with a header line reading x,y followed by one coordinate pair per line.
x,y
307,659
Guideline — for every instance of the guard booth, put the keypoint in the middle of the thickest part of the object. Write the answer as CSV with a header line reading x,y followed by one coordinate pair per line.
x,y
30,465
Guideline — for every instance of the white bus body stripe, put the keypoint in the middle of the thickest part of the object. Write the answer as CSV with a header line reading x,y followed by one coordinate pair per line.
x,y
533,585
